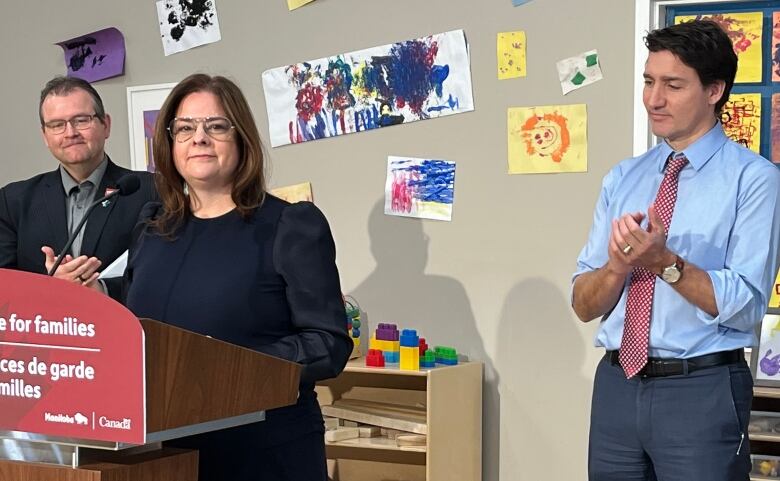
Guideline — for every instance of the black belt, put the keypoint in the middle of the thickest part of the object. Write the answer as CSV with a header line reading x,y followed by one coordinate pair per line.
x,y
657,366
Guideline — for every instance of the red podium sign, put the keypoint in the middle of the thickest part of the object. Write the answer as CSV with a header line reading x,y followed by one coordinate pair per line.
x,y
71,361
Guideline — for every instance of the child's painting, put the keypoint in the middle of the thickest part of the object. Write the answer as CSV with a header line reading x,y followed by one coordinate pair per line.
x,y
744,30
293,4
579,71
510,53
95,56
186,24
774,299
368,89
767,356
294,193
776,47
547,139
422,188
775,129
741,118
150,118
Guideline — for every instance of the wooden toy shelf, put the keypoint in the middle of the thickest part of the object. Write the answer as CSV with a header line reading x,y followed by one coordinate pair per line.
x,y
452,399
765,445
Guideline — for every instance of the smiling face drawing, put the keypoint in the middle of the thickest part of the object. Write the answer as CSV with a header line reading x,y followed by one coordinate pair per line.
x,y
546,136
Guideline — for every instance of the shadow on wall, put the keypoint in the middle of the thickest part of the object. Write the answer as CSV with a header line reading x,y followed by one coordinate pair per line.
x,y
544,397
399,291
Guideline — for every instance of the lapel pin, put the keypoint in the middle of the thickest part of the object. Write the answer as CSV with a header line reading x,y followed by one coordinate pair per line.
x,y
109,191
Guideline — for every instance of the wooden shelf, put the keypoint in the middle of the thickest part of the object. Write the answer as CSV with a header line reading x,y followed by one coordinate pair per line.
x,y
450,397
768,437
768,392
376,443
359,365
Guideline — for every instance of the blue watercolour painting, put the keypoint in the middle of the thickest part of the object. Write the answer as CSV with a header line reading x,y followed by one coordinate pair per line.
x,y
393,84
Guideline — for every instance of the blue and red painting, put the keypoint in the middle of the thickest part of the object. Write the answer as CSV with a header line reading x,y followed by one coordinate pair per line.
x,y
377,87
423,188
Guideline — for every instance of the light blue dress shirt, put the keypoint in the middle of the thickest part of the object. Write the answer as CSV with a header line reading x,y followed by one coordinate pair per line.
x,y
726,221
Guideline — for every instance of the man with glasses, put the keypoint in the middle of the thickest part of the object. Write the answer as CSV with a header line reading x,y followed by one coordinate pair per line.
x,y
37,215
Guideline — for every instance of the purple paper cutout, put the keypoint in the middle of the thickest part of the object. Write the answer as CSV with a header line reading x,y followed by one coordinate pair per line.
x,y
95,56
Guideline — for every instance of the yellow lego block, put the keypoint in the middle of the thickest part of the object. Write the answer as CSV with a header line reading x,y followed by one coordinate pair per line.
x,y
410,359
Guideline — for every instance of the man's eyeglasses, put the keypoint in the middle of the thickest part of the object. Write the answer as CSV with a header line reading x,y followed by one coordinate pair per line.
x,y
79,122
218,128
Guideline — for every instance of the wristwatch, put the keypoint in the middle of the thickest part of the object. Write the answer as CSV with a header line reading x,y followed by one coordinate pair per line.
x,y
673,273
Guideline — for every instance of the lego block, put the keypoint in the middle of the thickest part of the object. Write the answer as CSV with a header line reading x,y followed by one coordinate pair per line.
x,y
446,355
374,358
410,358
392,357
423,346
409,338
428,360
387,332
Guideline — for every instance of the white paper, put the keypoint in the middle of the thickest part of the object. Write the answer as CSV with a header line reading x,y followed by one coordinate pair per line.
x,y
183,28
116,268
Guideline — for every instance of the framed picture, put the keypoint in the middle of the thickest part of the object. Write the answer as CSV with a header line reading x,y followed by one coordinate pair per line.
x,y
143,104
765,359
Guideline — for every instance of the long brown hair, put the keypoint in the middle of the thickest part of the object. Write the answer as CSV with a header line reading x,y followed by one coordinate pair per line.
x,y
248,190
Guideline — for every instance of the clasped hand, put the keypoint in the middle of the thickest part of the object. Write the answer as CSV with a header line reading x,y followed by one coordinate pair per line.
x,y
631,245
81,270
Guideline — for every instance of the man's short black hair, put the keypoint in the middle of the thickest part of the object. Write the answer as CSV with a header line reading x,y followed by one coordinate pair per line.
x,y
65,85
703,46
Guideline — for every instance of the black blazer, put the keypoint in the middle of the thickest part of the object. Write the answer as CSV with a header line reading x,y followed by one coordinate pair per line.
x,y
32,214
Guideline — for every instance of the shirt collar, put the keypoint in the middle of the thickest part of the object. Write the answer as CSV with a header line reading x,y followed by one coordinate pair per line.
x,y
68,183
699,152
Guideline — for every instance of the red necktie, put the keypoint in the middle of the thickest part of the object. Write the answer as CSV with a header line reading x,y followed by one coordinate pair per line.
x,y
639,305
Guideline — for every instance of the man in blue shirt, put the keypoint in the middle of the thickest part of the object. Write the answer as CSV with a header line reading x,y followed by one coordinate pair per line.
x,y
678,266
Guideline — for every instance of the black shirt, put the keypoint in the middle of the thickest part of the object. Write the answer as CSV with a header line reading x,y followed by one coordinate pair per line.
x,y
268,283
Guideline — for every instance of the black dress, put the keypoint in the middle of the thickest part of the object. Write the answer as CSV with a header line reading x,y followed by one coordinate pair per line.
x,y
268,283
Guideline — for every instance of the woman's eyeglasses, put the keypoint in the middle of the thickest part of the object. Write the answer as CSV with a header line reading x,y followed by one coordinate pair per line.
x,y
218,128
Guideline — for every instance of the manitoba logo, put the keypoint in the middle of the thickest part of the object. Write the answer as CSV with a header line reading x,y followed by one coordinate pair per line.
x,y
81,419
78,418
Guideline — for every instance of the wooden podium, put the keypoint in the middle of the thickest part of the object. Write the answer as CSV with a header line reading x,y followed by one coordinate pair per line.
x,y
193,384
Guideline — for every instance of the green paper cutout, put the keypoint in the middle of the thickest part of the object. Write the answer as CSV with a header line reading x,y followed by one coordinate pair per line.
x,y
592,59
578,79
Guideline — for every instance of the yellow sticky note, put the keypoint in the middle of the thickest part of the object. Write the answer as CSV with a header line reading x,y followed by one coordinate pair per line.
x,y
744,30
774,301
741,118
294,193
293,4
510,48
547,139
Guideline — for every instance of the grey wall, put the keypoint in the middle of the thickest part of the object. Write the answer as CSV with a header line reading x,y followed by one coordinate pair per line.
x,y
493,282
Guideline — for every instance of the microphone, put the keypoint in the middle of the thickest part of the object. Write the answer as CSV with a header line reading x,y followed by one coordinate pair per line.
x,y
126,185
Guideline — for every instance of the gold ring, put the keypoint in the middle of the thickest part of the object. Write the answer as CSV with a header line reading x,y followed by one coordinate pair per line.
x,y
627,249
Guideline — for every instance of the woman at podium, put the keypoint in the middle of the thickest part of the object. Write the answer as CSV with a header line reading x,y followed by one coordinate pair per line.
x,y
222,257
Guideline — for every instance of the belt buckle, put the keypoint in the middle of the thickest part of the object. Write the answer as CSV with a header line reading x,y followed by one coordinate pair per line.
x,y
655,368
